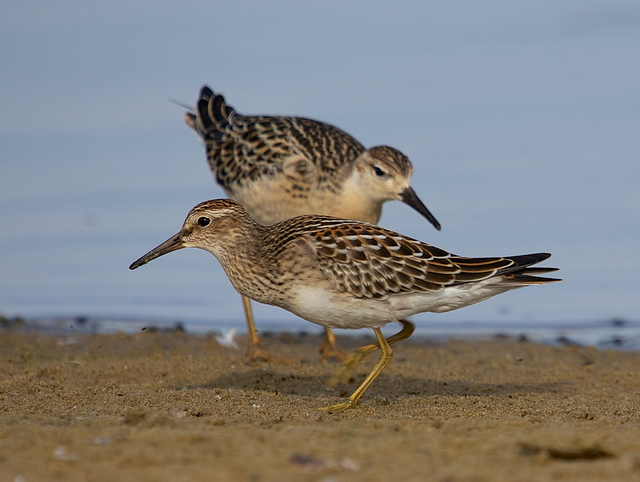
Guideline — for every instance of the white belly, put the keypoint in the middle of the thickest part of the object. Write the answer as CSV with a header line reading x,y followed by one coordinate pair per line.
x,y
326,309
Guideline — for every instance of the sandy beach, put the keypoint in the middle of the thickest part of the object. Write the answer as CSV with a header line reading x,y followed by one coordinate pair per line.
x,y
174,406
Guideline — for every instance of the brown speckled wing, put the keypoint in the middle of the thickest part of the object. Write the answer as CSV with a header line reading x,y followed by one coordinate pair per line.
x,y
241,149
368,261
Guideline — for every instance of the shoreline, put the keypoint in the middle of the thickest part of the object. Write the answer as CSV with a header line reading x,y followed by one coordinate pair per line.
x,y
615,333
174,406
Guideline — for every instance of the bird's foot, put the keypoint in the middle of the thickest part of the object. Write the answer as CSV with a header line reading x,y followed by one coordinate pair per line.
x,y
330,349
256,353
340,407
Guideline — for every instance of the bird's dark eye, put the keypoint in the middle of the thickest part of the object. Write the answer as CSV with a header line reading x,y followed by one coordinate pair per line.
x,y
202,221
379,172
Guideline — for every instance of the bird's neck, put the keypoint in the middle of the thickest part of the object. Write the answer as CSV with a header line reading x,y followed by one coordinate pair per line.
x,y
355,202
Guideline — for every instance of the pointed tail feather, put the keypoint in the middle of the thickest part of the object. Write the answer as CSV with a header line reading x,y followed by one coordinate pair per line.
x,y
522,279
211,115
190,120
537,271
521,272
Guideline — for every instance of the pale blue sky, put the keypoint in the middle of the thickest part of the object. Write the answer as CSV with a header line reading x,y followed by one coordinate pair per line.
x,y
522,120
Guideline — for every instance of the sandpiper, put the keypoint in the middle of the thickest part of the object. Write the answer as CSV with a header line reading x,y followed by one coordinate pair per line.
x,y
281,167
345,274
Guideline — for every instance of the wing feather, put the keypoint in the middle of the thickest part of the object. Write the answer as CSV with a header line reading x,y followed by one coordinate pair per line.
x,y
241,149
368,261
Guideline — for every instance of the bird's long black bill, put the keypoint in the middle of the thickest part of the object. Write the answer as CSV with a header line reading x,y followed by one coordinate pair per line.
x,y
172,244
410,197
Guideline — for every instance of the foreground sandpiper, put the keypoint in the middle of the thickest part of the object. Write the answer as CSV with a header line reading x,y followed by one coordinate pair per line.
x,y
345,274
281,167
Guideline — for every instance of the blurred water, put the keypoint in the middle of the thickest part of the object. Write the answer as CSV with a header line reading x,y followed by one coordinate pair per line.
x,y
614,334
521,118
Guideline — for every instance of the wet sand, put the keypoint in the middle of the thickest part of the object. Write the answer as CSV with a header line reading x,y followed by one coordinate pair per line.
x,y
172,406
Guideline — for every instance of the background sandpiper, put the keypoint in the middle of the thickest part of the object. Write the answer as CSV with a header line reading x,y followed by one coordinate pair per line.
x,y
281,167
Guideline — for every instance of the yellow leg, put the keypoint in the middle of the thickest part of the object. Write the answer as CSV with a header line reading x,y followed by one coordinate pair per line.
x,y
349,366
385,358
251,326
330,348
254,352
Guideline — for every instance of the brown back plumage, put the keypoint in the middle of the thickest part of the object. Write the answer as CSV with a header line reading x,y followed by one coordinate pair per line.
x,y
367,261
242,148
